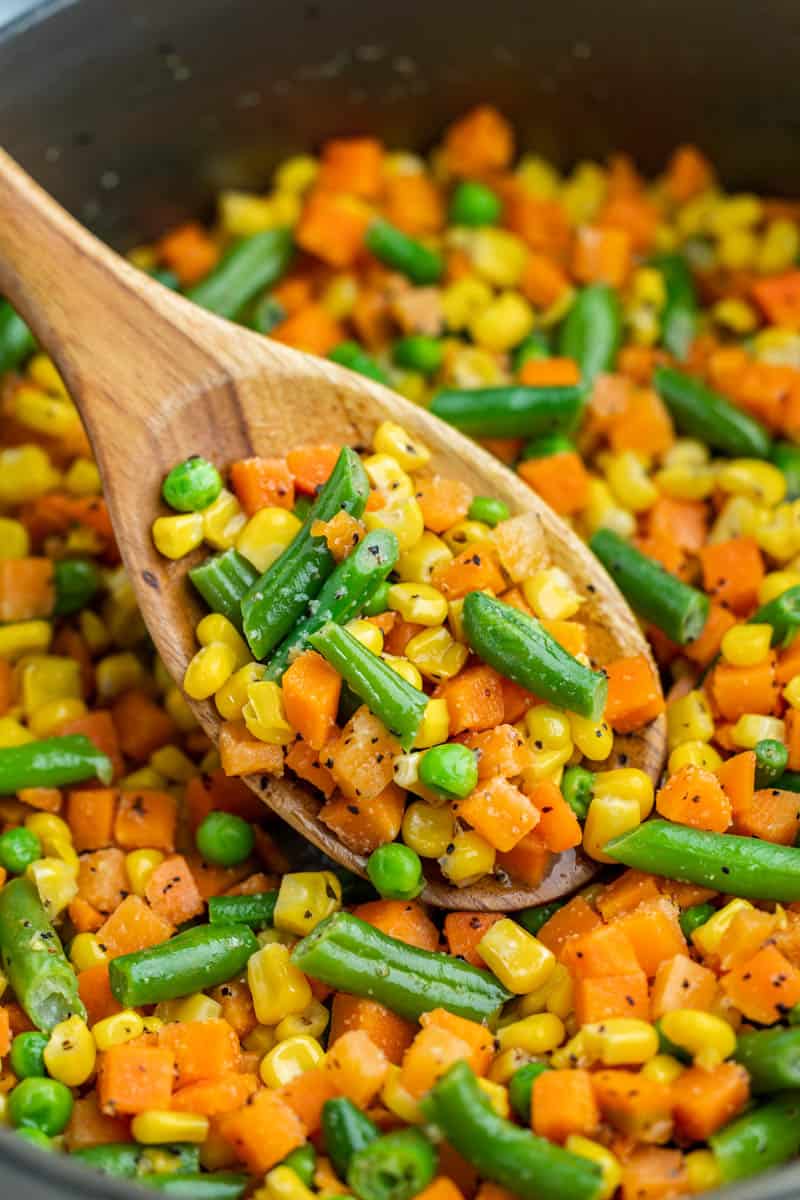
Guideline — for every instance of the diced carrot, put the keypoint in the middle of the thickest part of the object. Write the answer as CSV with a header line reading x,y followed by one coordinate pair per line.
x,y
737,775
90,816
601,255
84,916
763,987
202,1049
352,165
707,1100
98,726
501,751
598,999
625,893
242,754
739,690
102,879
45,799
400,635
694,796
652,1173
88,1126
779,297
473,570
688,172
732,573
5,1032
603,951
364,824
474,699
222,792
527,862
750,929
172,892
306,1095
463,931
133,926
94,989
479,142
683,520
433,1051
442,1188
414,204
634,1104
543,281
634,694
132,1079
521,546
477,1037
146,820
573,920
390,1033
332,227
643,426
26,588
517,700
311,689
654,933
680,982
311,466
560,479
788,662
236,1002
306,764
189,252
405,920
357,1067
371,317
558,827
542,223
771,814
361,758
263,1131
443,502
500,812
311,329
212,1097
664,550
262,483
211,879
563,1102
571,635
550,372
141,725
341,533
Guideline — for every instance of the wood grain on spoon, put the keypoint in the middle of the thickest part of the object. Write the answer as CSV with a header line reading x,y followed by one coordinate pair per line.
x,y
157,379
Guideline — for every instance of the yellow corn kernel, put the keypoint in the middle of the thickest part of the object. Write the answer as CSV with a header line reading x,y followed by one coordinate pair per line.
x,y
737,249
405,669
428,830
708,1038
398,1100
686,482
173,764
12,733
506,1063
611,1171
628,782
735,314
296,174
464,533
594,739
311,1022
145,777
243,213
662,1068
620,1041
497,1096
14,540
498,256
781,347
436,654
178,535
552,594
560,991
779,248
776,583
752,728
120,612
608,817
746,645
792,691
548,728
435,725
264,713
537,1034
709,935
538,177
70,1052
278,988
702,1170
44,413
120,1027
48,718
25,473
118,673
49,829
759,481
289,1059
392,439
418,564
83,478
572,1055
689,720
155,1126
304,899
282,1183
85,951
261,1039
231,698
418,602
601,512
455,619
266,535
93,631
139,866
503,323
404,520
216,628
468,857
198,1007
55,882
389,479
629,482
45,677
223,521
43,371
583,193
547,764
694,754
518,959
778,532
367,633
24,637
339,297
208,670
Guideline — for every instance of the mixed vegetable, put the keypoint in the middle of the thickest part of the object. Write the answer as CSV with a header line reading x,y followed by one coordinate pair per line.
x,y
193,998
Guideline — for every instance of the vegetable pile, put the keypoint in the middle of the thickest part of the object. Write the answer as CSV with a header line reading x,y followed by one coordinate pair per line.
x,y
190,996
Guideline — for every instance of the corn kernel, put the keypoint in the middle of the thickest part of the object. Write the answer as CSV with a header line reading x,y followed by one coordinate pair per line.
x,y
44,413
473,367
398,1100
419,603
266,535
418,564
145,777
776,583
746,645
173,764
304,899
12,733
752,728
547,764
435,725
25,473
406,775
296,174
759,481
208,670
231,698
289,1059
46,677
405,669
735,314
708,1038
261,1039
662,1068
552,594
467,858
601,512
216,628
548,728
629,782
436,654
572,1055
178,535
55,882
582,195
49,718
428,830
24,637
197,1007
792,691
689,720
311,1022
629,482
339,297
594,739
85,951
709,935
155,1126
14,540
503,323
506,1063
497,1096
264,713
278,988
223,521
464,533
243,213
404,520
118,673
694,754
686,482
70,1052
49,828
392,439
780,246
367,633
83,478
620,1041
611,1171
498,256
389,479
119,1028
608,817
737,249
282,1183
518,959
43,371
537,1034
702,1171
139,866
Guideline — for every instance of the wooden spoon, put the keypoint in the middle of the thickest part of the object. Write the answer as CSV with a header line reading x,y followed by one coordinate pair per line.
x,y
157,379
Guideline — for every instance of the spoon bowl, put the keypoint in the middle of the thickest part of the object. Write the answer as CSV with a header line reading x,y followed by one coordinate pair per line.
x,y
157,379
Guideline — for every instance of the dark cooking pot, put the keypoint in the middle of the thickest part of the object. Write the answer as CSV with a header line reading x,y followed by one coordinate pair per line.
x,y
134,112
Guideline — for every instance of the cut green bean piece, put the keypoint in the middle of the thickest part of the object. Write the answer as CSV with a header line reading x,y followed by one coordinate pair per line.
x,y
577,785
52,762
396,249
692,918
520,1088
33,958
545,447
255,910
783,614
418,352
16,340
515,411
521,649
223,580
786,456
214,1185
592,331
396,1166
198,958
763,1138
265,314
679,315
345,1130
678,610
488,510
247,268
772,1059
704,414
789,781
350,354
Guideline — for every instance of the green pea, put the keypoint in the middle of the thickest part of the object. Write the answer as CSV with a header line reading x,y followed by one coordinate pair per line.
x,y
543,447
378,601
191,485
395,871
225,839
450,770
418,352
43,1104
76,580
27,1055
692,918
576,788
488,510
396,249
350,354
36,1138
520,1088
474,204
19,848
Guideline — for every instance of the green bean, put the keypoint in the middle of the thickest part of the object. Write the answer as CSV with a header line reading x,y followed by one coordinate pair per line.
x,y
396,249
352,956
521,649
394,701
265,314
255,910
786,455
474,204
679,315
33,958
531,1167
378,600
223,581
352,355
577,785
418,352
342,596
520,1088
535,345
544,447
191,961
52,762
277,600
789,781
75,581
738,866
783,614
514,411
16,340
678,610
762,1138
771,1057
534,918
127,1160
248,267
345,1129
592,331
303,1161
771,759
214,1185
704,414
